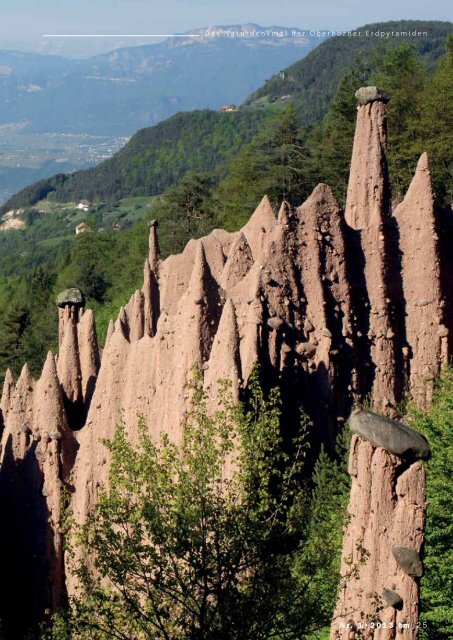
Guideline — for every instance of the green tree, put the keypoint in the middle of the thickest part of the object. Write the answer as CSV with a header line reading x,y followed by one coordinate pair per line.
x,y
435,129
401,73
182,550
41,331
13,326
288,155
315,565
330,141
184,212
437,583
87,267
273,164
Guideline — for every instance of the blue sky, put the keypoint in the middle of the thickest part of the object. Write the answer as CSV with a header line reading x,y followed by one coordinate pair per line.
x,y
23,22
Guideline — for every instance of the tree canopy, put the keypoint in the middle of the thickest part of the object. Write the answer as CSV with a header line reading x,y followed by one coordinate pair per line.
x,y
212,538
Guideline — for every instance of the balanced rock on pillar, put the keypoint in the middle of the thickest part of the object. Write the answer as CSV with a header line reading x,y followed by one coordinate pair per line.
x,y
367,213
386,506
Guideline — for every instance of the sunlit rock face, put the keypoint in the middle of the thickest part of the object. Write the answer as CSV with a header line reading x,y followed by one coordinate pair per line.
x,y
336,308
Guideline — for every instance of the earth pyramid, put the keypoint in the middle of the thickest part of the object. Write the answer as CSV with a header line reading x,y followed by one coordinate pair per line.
x,y
336,308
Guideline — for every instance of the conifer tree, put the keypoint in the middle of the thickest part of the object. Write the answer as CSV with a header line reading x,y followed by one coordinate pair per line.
x,y
437,583
435,129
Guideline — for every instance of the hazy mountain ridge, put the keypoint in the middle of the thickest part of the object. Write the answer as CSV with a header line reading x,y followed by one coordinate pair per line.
x,y
155,158
116,93
119,92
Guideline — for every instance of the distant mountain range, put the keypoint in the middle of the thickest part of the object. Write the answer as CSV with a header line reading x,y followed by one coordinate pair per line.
x,y
114,94
119,92
157,157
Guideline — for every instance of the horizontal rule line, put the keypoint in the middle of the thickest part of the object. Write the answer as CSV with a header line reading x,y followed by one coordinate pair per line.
x,y
120,35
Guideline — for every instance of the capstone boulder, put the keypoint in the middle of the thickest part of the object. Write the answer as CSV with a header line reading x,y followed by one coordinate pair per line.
x,y
408,560
392,435
366,95
72,296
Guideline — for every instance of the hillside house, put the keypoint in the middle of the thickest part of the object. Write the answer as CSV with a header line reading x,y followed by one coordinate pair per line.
x,y
84,205
83,227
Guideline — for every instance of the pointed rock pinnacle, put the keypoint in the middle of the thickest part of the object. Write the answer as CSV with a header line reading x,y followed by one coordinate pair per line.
x,y
368,196
154,252
151,301
421,281
258,229
48,406
238,264
69,362
367,209
8,390
88,354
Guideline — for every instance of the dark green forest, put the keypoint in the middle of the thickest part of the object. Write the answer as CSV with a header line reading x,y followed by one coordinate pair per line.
x,y
154,159
313,81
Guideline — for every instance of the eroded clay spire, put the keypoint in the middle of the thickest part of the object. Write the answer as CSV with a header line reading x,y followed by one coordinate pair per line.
x,y
31,494
251,337
122,323
421,284
48,407
110,331
151,301
284,213
200,311
19,417
7,393
367,209
154,252
25,382
55,455
368,196
381,565
258,229
199,276
238,264
69,363
325,303
135,313
70,303
88,354
224,361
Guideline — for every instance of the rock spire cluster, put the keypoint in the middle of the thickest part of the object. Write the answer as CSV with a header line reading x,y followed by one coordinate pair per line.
x,y
403,308
38,450
336,308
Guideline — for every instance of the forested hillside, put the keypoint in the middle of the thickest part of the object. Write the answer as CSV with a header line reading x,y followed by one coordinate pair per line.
x,y
313,81
154,159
